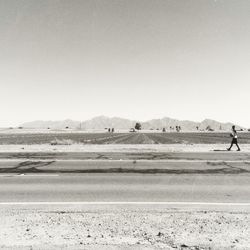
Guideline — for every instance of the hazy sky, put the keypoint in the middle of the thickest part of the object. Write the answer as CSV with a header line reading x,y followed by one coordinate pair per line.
x,y
137,59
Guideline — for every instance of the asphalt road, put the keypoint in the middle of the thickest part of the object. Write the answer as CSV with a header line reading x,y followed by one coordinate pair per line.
x,y
125,188
133,155
77,167
183,181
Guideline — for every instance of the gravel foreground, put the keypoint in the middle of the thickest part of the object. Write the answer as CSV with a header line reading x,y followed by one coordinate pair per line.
x,y
125,228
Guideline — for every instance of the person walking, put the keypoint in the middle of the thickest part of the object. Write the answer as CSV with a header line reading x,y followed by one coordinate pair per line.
x,y
234,139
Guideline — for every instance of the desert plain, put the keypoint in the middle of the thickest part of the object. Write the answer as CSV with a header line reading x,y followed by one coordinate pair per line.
x,y
145,190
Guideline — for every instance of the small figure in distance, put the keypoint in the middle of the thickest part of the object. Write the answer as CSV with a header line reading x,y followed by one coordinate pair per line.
x,y
234,139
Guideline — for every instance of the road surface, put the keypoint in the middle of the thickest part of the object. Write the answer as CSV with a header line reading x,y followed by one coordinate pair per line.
x,y
125,188
125,181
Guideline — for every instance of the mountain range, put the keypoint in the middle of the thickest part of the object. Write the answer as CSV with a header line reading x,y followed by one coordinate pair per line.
x,y
102,122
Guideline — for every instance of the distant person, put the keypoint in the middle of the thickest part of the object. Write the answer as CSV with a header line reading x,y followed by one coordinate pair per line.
x,y
234,139
177,128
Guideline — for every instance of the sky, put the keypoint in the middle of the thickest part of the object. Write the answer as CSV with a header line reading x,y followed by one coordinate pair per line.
x,y
137,59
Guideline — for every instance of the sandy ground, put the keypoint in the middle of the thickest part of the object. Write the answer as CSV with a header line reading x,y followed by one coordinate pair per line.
x,y
121,148
123,228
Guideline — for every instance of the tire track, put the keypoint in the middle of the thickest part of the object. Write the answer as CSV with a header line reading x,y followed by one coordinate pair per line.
x,y
126,139
163,139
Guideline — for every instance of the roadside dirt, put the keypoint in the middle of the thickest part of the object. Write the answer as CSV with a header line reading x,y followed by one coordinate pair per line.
x,y
123,229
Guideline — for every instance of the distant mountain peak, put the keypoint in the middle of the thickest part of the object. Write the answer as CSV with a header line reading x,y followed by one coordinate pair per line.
x,y
102,122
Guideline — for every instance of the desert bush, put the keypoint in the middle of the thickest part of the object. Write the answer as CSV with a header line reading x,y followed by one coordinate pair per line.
x,y
62,142
138,126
